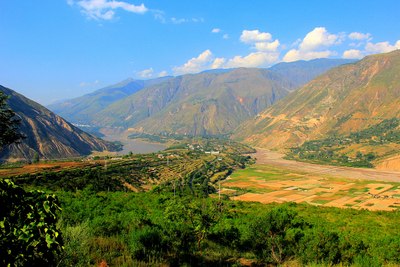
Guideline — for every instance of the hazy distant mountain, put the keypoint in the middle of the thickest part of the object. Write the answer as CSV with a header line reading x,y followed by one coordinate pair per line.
x,y
48,135
346,99
82,109
212,102
208,103
301,72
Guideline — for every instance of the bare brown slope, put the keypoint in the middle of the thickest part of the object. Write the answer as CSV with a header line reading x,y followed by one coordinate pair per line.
x,y
346,99
47,134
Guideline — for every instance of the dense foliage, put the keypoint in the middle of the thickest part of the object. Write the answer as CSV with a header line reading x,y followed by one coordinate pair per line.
x,y
8,123
330,150
28,232
181,221
160,228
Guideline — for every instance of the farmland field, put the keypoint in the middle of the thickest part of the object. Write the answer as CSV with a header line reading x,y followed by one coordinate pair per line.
x,y
276,180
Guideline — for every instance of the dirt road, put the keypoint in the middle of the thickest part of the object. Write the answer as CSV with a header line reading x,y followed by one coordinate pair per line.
x,y
276,159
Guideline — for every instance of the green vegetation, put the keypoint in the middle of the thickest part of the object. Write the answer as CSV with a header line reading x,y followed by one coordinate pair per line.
x,y
8,123
128,229
329,150
28,232
177,223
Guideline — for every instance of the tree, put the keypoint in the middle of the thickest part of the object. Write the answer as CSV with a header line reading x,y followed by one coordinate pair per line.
x,y
8,123
275,236
28,232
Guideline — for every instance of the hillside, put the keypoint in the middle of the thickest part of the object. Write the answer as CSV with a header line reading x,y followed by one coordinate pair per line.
x,y
47,135
199,104
83,109
301,72
213,102
210,103
346,99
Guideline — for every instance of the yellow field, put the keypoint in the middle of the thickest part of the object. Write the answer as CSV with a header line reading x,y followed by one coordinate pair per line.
x,y
267,184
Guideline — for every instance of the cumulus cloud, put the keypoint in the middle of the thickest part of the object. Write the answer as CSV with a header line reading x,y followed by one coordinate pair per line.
x,y
216,30
255,36
382,47
257,59
196,64
147,73
353,54
314,45
294,55
317,38
225,36
163,73
105,9
267,46
359,36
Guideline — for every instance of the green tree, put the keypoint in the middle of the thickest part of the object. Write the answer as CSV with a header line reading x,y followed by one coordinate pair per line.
x,y
8,123
276,235
28,232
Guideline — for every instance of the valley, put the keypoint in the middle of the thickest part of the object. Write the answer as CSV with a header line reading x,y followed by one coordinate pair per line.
x,y
274,179
200,133
175,180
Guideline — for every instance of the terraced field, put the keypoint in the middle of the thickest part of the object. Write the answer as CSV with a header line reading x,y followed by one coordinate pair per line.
x,y
278,180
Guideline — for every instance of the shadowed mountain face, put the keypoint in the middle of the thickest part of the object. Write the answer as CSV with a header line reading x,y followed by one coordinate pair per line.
x,y
47,134
213,102
83,109
346,99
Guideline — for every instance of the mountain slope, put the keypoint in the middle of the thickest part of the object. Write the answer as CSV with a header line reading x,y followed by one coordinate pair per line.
x,y
301,72
207,103
348,98
82,109
47,134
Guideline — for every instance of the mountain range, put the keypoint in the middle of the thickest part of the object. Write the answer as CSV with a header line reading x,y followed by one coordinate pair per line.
x,y
48,136
82,110
212,103
346,99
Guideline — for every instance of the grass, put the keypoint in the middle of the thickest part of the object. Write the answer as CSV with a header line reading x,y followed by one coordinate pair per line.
x,y
321,201
320,189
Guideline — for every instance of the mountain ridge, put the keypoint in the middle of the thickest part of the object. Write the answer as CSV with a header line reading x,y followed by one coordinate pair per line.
x,y
347,98
47,134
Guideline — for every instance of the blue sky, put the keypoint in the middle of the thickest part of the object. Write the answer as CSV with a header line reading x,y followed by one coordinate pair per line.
x,y
58,49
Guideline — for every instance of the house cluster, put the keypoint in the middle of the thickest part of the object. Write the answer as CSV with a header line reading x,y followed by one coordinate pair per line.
x,y
198,147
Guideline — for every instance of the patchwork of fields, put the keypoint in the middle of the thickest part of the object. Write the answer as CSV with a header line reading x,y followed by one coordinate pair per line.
x,y
266,183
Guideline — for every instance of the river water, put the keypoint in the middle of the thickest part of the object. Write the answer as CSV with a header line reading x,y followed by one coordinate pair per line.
x,y
139,147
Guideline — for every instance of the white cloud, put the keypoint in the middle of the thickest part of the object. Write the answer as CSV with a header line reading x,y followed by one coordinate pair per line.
x,y
255,36
147,73
317,38
225,36
257,59
267,46
196,64
353,54
218,63
294,55
163,73
382,47
216,30
359,36
104,9
314,45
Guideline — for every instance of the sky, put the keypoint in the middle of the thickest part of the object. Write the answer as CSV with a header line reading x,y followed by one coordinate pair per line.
x,y
52,50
